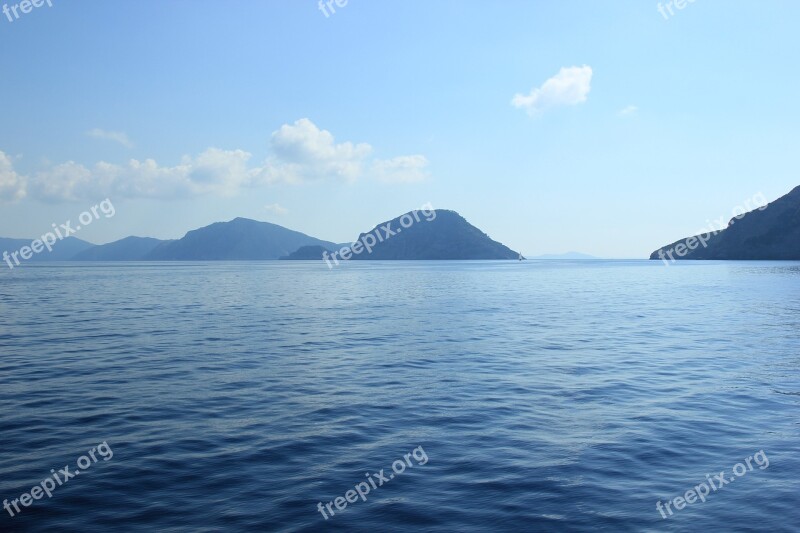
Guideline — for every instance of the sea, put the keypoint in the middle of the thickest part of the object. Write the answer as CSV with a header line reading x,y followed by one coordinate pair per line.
x,y
452,396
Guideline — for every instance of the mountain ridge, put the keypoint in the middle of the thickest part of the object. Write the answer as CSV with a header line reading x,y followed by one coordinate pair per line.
x,y
447,235
771,232
440,234
239,239
63,250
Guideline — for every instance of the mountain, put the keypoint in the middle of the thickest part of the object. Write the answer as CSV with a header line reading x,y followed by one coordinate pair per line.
x,y
239,239
566,256
307,253
426,234
127,249
439,234
768,233
63,250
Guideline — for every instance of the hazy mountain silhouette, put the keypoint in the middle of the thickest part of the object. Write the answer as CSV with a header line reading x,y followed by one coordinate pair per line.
x,y
239,239
127,249
307,253
63,250
575,256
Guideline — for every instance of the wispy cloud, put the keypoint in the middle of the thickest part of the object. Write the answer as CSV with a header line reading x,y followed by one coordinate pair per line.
x,y
404,169
116,136
630,110
276,209
569,87
299,153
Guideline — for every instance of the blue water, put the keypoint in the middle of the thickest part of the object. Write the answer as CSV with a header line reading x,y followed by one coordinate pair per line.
x,y
546,396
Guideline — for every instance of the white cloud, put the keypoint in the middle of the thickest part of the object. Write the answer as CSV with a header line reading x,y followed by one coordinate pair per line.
x,y
570,86
66,181
403,169
219,171
116,136
12,185
276,209
299,152
630,110
303,152
214,171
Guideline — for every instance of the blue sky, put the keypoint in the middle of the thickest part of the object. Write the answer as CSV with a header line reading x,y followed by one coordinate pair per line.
x,y
631,130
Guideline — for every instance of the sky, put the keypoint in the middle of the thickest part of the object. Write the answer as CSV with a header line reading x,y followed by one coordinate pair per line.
x,y
609,128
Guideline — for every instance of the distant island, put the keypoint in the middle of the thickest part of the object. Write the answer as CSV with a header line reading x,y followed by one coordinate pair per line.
x,y
573,256
308,253
771,232
417,235
445,235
